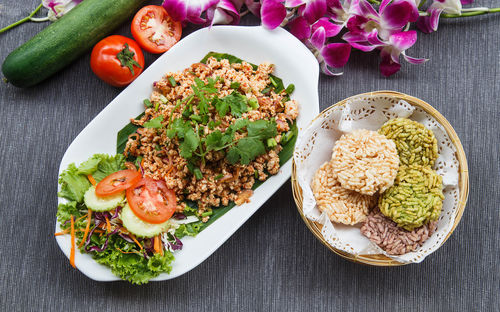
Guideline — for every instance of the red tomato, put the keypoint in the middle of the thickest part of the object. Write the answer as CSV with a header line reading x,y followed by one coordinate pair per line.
x,y
151,200
117,60
117,182
155,30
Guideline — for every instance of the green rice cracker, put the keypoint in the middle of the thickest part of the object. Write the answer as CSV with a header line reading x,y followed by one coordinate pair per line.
x,y
415,198
416,144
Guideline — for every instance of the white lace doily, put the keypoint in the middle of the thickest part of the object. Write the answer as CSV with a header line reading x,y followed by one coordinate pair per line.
x,y
314,147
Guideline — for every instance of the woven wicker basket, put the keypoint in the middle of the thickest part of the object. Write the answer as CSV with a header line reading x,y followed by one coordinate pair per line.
x,y
380,259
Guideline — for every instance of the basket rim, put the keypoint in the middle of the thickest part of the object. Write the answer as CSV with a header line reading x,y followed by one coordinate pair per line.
x,y
463,183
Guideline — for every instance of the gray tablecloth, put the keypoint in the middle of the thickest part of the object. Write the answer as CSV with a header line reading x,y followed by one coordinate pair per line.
x,y
273,262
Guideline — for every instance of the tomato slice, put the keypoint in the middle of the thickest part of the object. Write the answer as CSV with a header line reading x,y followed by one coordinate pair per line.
x,y
151,201
117,182
155,30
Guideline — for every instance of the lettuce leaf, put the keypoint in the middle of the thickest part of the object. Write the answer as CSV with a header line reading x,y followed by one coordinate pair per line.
x,y
73,184
102,165
132,267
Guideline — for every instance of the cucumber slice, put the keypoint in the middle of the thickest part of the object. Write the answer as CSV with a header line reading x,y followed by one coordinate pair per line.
x,y
140,228
102,203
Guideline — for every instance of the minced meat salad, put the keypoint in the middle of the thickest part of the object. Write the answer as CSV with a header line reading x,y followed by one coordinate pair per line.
x,y
212,130
209,135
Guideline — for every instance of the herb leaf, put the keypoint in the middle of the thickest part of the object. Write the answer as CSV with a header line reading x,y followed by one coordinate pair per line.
x,y
154,123
237,102
190,144
246,150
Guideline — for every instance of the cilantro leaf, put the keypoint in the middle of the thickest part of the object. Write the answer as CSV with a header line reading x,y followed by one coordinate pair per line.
x,y
190,144
246,150
222,107
235,85
213,141
154,123
262,129
237,102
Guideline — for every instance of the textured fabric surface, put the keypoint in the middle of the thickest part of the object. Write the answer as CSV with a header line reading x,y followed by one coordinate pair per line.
x,y
273,263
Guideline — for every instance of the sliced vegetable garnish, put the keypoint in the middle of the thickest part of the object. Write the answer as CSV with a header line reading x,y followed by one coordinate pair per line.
x,y
155,30
117,182
151,200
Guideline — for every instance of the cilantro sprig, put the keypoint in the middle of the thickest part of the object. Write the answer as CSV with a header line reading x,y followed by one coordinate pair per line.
x,y
254,137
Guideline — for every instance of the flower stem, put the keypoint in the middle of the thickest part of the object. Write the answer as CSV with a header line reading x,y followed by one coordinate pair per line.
x,y
19,22
374,2
478,11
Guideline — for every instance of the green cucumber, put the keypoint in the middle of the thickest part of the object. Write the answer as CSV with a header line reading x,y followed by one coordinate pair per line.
x,y
102,203
140,228
65,40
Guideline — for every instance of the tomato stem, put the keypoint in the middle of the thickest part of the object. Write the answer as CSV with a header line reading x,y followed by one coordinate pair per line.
x,y
126,58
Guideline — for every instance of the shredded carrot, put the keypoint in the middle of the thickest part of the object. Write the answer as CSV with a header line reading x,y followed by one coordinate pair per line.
x,y
89,216
78,230
142,163
136,241
84,216
72,253
108,225
62,232
161,244
157,244
91,179
128,252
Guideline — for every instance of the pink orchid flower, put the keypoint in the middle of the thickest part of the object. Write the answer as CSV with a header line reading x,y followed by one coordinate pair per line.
x,y
392,17
57,8
300,28
341,12
206,12
429,23
275,12
397,45
330,56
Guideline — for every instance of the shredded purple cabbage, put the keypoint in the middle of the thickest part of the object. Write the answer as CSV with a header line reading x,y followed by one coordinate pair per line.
x,y
104,246
176,245
126,237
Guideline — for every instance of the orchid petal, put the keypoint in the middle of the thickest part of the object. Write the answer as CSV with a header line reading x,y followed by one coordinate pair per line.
x,y
383,4
331,29
336,11
367,10
327,71
373,38
448,6
403,40
336,54
428,24
363,47
387,66
314,10
272,13
294,3
300,28
253,6
354,37
335,4
318,38
190,10
225,12
414,60
397,14
466,1
356,24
